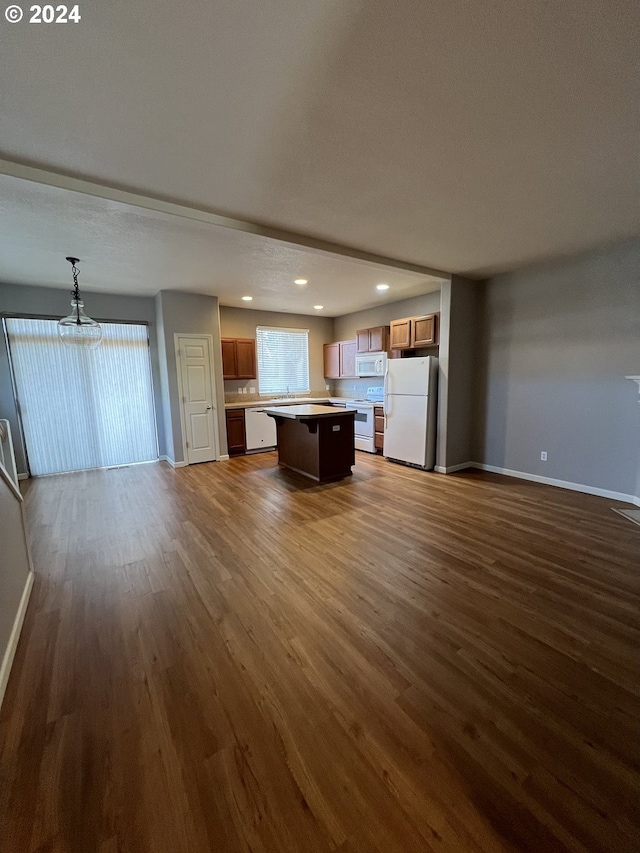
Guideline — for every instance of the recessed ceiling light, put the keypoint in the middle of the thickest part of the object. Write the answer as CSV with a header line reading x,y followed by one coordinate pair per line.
x,y
300,281
382,287
247,298
318,307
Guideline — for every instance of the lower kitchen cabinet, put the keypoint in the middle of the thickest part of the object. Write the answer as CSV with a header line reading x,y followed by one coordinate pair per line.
x,y
236,434
378,435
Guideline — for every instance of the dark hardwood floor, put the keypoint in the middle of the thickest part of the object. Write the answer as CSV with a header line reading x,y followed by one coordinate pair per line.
x,y
229,658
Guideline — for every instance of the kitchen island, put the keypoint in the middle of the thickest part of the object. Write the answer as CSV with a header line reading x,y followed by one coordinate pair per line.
x,y
317,441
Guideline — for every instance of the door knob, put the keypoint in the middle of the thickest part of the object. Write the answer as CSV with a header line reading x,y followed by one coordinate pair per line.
x,y
208,407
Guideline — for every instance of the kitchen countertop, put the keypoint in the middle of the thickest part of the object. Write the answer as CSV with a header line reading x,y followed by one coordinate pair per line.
x,y
285,401
298,412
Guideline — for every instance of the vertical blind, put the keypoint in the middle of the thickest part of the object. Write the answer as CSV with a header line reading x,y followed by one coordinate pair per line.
x,y
83,408
283,360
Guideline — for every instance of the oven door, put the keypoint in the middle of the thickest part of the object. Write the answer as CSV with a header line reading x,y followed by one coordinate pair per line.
x,y
364,421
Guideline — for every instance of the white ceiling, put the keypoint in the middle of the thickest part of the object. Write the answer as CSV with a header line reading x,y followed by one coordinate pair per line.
x,y
466,137
127,249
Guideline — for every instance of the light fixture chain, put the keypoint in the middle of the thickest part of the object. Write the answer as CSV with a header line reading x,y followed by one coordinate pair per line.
x,y
76,290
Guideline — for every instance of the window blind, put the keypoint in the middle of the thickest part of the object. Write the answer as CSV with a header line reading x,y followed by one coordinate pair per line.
x,y
83,408
283,360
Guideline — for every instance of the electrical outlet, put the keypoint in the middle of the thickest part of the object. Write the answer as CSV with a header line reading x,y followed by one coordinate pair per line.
x,y
543,456
252,390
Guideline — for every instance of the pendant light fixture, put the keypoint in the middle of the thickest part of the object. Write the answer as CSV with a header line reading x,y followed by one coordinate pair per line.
x,y
78,330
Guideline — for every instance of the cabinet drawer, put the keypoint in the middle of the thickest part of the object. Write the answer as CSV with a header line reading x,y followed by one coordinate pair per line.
x,y
378,440
379,423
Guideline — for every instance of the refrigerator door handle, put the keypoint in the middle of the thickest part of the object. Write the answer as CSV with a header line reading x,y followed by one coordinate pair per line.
x,y
386,377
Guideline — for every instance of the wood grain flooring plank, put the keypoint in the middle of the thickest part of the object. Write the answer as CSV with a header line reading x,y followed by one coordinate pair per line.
x,y
230,658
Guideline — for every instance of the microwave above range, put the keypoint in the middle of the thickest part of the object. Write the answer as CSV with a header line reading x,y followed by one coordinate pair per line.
x,y
371,364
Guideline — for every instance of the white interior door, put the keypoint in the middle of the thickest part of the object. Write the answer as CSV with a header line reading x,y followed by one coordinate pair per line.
x,y
198,399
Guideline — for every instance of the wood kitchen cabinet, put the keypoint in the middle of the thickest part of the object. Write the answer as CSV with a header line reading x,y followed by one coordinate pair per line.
x,y
347,358
340,360
236,435
378,435
414,332
425,331
375,339
332,361
401,334
239,358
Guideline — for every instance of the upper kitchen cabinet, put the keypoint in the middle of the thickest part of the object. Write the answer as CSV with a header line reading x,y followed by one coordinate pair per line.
x,y
332,361
425,331
340,360
375,339
239,358
401,334
414,332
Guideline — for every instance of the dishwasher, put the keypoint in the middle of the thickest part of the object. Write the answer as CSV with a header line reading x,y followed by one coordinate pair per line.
x,y
260,430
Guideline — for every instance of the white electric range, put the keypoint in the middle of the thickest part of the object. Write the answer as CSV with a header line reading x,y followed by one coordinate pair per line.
x,y
364,418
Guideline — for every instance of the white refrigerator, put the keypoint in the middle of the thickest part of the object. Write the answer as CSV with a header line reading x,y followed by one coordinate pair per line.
x,y
410,410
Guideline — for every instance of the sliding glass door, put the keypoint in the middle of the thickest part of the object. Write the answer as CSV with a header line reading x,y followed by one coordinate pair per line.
x,y
83,408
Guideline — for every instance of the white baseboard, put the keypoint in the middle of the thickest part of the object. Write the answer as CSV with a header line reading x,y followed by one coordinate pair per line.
x,y
23,476
440,469
174,464
223,457
561,484
185,464
12,645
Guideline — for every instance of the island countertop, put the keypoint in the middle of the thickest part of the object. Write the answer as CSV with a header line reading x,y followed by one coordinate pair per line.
x,y
304,411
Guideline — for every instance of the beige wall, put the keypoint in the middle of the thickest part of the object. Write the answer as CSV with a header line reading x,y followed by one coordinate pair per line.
x,y
242,323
